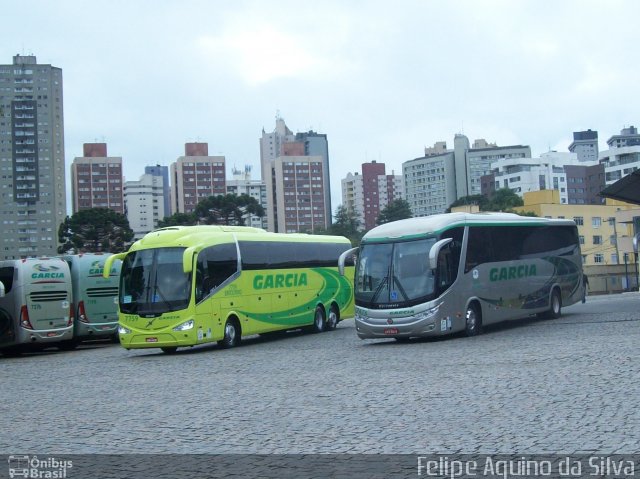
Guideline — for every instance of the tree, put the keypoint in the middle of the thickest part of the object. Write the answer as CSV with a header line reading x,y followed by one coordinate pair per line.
x,y
480,200
396,210
503,199
227,209
95,230
346,224
178,219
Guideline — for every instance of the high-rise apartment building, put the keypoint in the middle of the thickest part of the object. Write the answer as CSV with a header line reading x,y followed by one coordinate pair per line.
x,y
196,176
369,193
585,145
144,203
162,171
242,184
278,151
300,194
96,180
32,180
442,176
623,155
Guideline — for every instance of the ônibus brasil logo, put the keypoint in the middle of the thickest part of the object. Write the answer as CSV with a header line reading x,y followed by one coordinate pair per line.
x,y
34,467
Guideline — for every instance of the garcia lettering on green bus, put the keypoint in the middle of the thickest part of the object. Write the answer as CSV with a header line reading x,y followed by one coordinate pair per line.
x,y
512,272
288,280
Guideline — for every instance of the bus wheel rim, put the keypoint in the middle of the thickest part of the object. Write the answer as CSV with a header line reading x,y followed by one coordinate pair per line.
x,y
230,333
333,319
471,319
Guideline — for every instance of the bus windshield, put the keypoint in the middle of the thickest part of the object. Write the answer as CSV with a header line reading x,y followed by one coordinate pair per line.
x,y
394,273
153,282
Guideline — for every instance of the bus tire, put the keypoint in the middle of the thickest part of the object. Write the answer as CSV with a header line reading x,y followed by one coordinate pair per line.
x,y
169,349
334,318
473,320
555,307
231,334
319,320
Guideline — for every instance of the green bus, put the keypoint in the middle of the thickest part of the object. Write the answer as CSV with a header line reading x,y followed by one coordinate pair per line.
x,y
188,285
456,272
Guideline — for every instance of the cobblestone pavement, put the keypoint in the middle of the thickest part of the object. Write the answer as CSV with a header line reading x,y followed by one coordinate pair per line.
x,y
530,386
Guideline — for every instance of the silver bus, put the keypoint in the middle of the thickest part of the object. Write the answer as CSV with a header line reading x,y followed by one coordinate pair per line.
x,y
456,272
35,310
95,298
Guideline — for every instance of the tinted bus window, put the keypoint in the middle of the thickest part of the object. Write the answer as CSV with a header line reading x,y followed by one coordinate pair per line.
x,y
215,265
281,255
6,276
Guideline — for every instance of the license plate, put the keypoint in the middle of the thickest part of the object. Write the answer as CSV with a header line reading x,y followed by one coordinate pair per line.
x,y
51,335
106,327
151,340
391,331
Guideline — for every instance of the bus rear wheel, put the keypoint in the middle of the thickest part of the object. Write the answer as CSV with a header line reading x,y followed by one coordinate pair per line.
x,y
555,309
332,320
231,334
319,321
473,321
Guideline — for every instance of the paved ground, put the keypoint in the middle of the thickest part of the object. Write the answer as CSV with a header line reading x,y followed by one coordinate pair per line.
x,y
530,386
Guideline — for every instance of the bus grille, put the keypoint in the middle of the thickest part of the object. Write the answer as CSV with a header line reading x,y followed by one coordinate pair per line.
x,y
43,296
102,292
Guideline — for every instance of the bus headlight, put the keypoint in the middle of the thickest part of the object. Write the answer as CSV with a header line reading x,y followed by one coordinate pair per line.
x,y
123,330
187,325
429,313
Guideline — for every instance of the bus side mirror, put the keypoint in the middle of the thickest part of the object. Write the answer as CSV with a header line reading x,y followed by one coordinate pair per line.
x,y
435,251
343,258
187,260
1,289
107,264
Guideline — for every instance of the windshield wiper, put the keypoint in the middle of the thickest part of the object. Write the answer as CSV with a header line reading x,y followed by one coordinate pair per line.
x,y
396,281
379,288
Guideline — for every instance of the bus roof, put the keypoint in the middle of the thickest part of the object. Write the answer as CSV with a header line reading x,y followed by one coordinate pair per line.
x,y
205,235
415,227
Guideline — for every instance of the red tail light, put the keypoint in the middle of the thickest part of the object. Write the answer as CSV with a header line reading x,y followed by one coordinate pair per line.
x,y
82,314
24,317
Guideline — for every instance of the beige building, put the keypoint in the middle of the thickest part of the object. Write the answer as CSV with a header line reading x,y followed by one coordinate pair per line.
x,y
606,237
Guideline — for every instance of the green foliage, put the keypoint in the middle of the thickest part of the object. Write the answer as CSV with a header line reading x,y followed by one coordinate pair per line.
x,y
95,230
178,219
501,200
346,224
396,210
227,210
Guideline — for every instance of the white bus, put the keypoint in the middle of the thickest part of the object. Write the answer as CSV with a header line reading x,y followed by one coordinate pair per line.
x,y
35,310
95,298
457,272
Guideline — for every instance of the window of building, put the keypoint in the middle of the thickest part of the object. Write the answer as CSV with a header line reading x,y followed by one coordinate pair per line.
x,y
579,220
596,221
597,239
598,258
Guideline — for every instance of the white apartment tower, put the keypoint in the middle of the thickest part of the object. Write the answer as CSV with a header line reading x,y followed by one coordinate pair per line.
x,y
32,181
144,203
242,184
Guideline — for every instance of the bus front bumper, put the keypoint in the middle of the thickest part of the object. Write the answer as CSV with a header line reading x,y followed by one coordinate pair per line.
x,y
424,324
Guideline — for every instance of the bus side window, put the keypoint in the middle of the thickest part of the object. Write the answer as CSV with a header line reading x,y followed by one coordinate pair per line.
x,y
215,265
479,250
6,276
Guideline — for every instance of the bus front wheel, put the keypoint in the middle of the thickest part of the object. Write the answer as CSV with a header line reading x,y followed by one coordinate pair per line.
x,y
231,334
473,321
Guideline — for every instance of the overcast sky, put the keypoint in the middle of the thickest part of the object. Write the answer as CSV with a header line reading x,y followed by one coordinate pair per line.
x,y
382,79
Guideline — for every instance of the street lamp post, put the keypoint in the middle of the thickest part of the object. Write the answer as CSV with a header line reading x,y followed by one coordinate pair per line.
x,y
636,239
